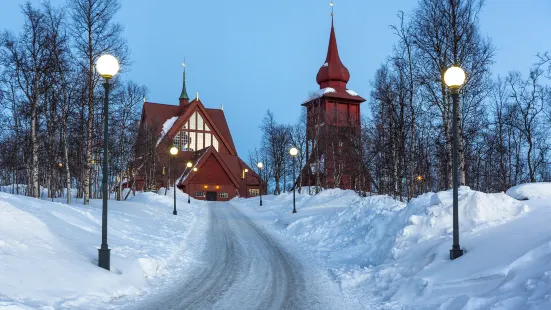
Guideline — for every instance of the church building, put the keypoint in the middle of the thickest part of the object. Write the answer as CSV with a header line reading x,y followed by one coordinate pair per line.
x,y
333,128
204,141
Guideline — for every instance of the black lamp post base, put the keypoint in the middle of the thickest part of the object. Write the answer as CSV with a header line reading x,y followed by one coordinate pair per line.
x,y
104,258
455,253
294,211
175,212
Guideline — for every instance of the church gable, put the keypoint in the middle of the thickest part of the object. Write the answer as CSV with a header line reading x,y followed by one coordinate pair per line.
x,y
195,133
195,130
214,175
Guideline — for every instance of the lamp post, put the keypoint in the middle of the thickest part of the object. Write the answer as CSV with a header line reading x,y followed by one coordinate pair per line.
x,y
189,165
173,152
294,152
107,66
244,178
194,172
60,167
454,77
260,165
420,180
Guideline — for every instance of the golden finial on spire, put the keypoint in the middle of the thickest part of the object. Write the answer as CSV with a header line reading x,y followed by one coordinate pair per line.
x,y
197,96
332,7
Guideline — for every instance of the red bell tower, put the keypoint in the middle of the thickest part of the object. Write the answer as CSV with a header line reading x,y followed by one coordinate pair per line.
x,y
333,127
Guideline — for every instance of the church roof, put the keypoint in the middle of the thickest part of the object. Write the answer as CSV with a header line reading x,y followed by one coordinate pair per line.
x,y
333,73
232,164
156,114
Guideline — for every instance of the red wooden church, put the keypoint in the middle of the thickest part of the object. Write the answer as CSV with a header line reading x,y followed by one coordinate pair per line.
x,y
203,138
333,129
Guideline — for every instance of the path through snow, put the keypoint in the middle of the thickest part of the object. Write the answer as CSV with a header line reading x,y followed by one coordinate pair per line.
x,y
241,267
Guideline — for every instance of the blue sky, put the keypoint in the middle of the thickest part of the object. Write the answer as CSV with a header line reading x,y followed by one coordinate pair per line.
x,y
253,55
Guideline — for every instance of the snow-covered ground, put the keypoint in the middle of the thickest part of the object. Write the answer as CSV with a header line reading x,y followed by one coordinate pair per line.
x,y
48,251
379,253
541,190
397,255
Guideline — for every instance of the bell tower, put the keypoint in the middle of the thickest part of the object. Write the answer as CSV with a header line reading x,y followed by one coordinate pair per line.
x,y
333,128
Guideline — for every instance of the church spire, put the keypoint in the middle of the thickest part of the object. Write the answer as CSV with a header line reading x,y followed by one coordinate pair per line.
x,y
184,98
333,73
184,95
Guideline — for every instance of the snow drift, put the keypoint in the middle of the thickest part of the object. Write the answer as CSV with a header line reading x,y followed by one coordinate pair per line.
x,y
399,253
48,251
527,191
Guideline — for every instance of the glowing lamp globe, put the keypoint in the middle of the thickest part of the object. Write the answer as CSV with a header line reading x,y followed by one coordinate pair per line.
x,y
259,165
246,170
107,66
454,77
189,164
173,150
195,169
293,151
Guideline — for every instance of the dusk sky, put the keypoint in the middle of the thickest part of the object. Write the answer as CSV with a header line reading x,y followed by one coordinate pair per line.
x,y
253,55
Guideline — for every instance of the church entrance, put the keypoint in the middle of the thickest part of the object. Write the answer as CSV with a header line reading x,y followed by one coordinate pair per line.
x,y
211,196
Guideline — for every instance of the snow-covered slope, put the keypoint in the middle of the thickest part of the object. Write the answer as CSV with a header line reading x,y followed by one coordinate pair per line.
x,y
378,248
541,190
48,251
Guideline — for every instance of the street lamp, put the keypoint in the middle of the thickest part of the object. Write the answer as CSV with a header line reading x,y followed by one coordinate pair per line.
x,y
173,152
107,66
189,165
454,77
420,186
260,165
294,152
244,179
194,173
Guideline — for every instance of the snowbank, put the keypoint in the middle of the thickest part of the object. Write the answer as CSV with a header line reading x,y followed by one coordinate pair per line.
x,y
48,251
526,191
381,249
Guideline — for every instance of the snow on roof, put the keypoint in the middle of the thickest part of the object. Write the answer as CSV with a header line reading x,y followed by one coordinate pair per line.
x,y
321,92
166,127
351,92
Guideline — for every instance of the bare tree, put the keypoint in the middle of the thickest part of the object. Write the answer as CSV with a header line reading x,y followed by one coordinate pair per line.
x,y
94,33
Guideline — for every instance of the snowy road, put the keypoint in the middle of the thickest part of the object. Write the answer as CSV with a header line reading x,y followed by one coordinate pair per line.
x,y
241,267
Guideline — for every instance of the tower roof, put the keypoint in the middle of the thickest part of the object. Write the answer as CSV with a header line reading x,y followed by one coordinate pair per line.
x,y
184,95
333,73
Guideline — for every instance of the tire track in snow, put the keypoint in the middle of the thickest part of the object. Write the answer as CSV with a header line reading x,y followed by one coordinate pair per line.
x,y
240,268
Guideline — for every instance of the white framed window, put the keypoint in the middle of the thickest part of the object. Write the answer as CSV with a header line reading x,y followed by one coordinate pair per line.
x,y
192,124
222,195
208,139
200,122
176,141
207,127
185,141
186,125
215,142
199,141
254,191
192,136
199,194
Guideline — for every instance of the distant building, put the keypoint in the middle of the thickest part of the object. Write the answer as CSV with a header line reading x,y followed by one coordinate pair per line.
x,y
333,129
203,138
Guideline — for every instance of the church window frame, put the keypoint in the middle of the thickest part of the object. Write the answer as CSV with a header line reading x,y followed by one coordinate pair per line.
x,y
223,195
176,140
